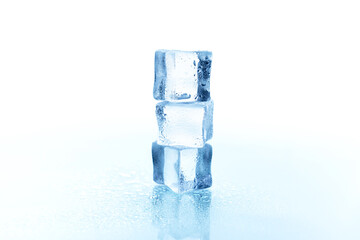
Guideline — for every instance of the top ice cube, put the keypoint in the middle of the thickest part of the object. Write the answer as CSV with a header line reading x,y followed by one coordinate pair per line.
x,y
182,75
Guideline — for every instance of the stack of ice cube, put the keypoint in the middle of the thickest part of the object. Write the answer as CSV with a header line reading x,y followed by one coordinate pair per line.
x,y
181,157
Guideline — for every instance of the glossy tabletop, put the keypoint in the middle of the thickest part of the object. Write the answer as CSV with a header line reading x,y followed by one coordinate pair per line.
x,y
78,186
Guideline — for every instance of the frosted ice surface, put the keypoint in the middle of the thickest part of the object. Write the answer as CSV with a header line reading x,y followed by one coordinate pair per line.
x,y
182,169
182,75
185,124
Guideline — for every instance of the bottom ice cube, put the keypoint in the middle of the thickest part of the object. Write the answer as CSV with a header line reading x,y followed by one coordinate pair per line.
x,y
181,168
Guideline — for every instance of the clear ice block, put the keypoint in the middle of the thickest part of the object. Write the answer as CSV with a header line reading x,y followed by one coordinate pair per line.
x,y
185,124
182,169
182,75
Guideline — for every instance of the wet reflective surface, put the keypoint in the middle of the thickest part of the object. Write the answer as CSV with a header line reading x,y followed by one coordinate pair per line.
x,y
101,188
181,215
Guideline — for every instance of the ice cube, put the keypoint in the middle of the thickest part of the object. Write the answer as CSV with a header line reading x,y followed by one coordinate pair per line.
x,y
181,168
185,124
182,75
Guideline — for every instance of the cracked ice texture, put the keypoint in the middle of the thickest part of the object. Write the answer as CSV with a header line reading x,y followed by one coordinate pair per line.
x,y
182,75
185,124
181,168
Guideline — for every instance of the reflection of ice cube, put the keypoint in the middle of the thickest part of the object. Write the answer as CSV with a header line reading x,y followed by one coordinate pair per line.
x,y
185,124
181,216
182,169
182,75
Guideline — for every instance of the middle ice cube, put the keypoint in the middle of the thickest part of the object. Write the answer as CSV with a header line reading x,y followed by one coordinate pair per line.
x,y
185,124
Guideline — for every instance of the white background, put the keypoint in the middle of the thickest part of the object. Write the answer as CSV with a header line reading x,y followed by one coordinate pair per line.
x,y
279,66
